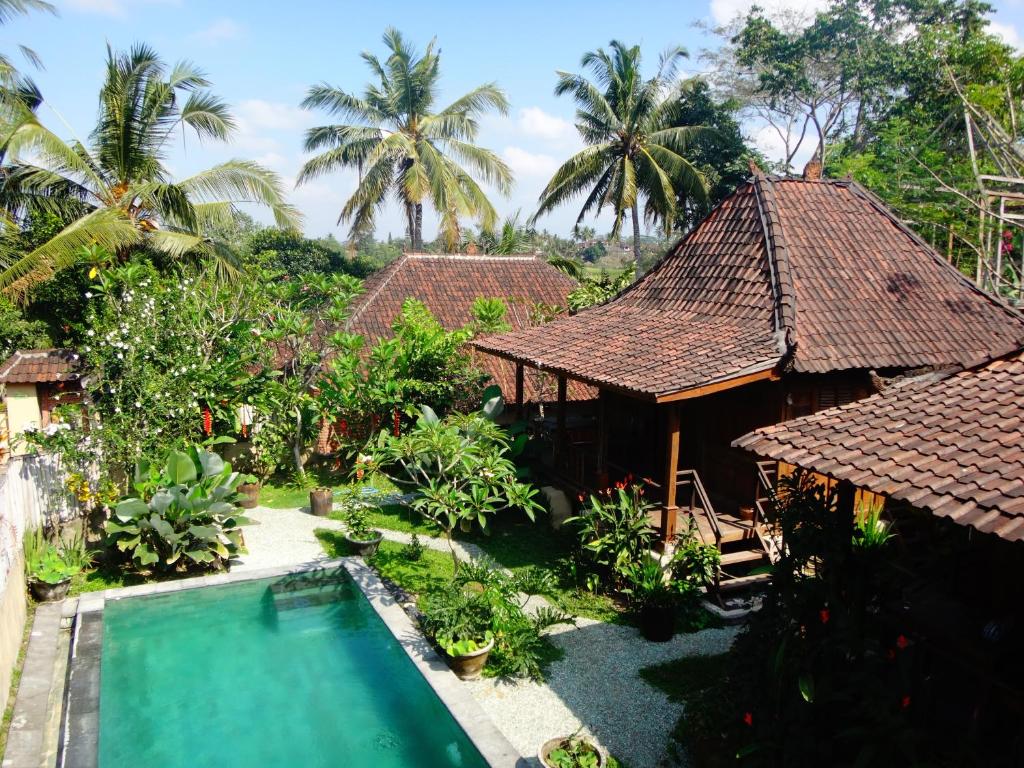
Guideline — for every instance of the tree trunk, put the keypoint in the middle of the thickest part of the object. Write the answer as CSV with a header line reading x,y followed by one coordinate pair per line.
x,y
419,226
297,445
636,236
410,225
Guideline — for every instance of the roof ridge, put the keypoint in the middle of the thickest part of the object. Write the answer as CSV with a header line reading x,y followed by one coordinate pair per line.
x,y
367,298
779,268
880,206
475,256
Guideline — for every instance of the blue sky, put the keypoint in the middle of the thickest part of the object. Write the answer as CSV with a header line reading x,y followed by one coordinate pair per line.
x,y
262,57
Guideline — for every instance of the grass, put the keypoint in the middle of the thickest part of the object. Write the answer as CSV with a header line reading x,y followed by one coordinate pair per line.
x,y
419,577
702,683
19,664
285,494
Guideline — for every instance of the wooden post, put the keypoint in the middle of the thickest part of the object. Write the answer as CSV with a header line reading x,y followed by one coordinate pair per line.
x,y
560,432
602,440
519,391
668,517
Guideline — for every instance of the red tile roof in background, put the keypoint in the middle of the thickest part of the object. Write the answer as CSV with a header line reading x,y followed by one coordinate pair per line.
x,y
32,366
448,285
953,446
814,274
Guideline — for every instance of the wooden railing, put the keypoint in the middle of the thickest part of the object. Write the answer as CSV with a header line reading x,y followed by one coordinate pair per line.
x,y
689,477
764,500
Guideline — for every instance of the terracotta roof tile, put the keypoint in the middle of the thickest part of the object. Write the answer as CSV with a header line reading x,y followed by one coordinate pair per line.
x,y
28,366
448,285
815,272
965,471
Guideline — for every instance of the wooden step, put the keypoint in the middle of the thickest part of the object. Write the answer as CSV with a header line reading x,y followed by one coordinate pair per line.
x,y
742,582
742,556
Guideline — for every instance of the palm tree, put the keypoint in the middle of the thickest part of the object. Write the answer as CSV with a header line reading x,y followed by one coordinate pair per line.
x,y
116,192
12,81
635,147
401,146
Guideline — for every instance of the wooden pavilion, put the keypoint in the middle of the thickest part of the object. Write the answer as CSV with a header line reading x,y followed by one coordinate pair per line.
x,y
792,296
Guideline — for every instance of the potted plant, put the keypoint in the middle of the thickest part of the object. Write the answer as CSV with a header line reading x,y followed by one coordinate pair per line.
x,y
459,620
50,567
570,752
655,599
361,537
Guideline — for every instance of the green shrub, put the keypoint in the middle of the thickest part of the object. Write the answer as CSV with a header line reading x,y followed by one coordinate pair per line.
x,y
51,562
184,515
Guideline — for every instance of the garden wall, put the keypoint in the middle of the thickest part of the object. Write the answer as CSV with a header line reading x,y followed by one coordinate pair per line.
x,y
31,491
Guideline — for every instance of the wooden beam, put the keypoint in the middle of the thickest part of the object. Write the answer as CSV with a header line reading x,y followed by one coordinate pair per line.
x,y
708,389
602,439
668,517
519,391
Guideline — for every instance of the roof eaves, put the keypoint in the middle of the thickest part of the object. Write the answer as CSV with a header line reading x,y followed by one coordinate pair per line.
x,y
367,299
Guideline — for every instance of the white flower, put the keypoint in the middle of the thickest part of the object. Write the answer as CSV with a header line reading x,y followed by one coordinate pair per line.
x,y
88,294
138,404
90,332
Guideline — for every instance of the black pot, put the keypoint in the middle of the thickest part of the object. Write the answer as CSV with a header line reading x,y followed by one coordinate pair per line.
x,y
365,547
658,622
45,592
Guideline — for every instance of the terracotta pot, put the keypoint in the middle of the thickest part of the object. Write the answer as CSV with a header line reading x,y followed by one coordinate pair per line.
x,y
658,623
365,547
45,592
747,514
551,745
249,495
470,665
321,501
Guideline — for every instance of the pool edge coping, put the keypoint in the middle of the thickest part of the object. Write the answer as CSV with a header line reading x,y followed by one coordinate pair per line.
x,y
496,750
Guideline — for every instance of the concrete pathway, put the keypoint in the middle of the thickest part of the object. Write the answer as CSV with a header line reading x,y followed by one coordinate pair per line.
x,y
595,686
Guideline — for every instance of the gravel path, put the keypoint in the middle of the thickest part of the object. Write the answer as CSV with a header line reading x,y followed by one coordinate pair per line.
x,y
596,685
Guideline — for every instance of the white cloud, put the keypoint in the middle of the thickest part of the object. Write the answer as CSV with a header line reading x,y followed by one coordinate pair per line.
x,y
1007,33
273,115
536,123
218,31
526,163
725,11
115,8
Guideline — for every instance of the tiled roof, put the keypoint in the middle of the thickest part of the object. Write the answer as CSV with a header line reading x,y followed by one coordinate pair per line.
x,y
30,366
953,445
816,275
448,285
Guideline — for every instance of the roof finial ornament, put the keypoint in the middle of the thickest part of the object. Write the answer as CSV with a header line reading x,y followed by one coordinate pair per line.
x,y
812,171
755,169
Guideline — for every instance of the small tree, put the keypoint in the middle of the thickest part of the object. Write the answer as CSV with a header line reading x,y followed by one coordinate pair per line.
x,y
461,468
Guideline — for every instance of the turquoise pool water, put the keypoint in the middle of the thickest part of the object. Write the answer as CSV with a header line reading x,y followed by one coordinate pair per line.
x,y
266,673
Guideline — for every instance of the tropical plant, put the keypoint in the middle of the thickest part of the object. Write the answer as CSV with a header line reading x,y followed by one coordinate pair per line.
x,y
401,145
485,602
574,752
870,531
52,563
636,148
489,315
615,533
18,92
649,585
597,290
355,513
184,514
460,467
116,192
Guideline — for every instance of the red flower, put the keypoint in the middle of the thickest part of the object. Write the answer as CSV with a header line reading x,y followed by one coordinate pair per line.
x,y
905,702
620,485
343,428
902,642
580,497
245,431
824,615
207,421
398,423
748,718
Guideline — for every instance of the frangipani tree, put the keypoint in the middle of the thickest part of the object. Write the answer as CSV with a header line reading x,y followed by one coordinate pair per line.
x,y
402,147
116,192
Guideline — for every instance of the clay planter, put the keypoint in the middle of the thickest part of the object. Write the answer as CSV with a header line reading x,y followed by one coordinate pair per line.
x,y
551,745
321,501
470,665
248,495
365,547
658,622
747,514
45,592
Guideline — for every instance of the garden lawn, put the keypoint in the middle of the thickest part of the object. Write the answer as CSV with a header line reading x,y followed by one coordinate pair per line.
x,y
282,494
432,571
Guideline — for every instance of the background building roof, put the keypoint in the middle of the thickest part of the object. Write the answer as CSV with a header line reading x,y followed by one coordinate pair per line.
x,y
30,366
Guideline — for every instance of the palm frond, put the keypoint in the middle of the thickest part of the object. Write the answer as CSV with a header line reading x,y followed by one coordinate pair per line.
x,y
243,181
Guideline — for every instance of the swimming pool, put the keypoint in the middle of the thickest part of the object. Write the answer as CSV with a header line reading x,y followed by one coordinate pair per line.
x,y
297,670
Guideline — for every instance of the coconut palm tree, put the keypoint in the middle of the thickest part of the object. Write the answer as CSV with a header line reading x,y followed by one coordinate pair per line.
x,y
116,191
401,146
635,149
